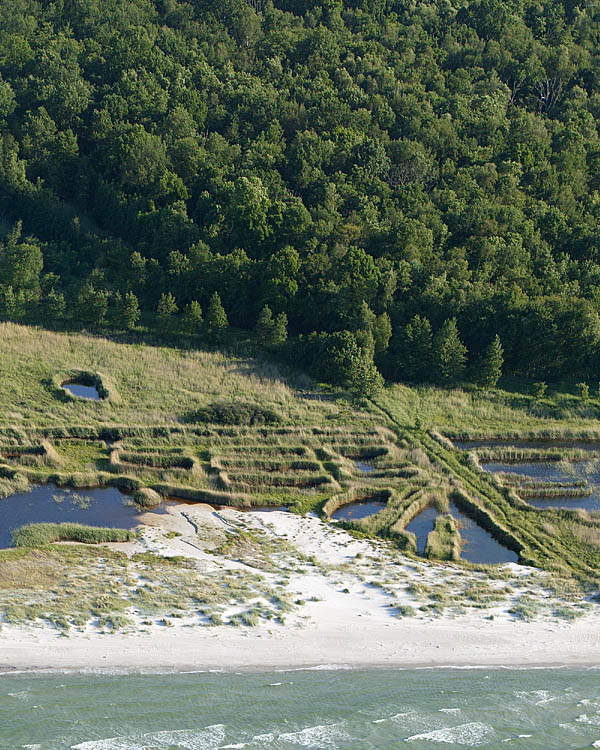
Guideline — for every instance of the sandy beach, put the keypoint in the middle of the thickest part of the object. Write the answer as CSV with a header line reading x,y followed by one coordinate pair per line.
x,y
341,619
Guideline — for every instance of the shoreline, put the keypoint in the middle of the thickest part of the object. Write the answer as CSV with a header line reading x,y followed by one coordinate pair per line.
x,y
445,645
106,672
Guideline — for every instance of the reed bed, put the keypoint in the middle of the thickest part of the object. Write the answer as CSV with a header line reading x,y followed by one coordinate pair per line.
x,y
42,534
527,455
553,492
444,542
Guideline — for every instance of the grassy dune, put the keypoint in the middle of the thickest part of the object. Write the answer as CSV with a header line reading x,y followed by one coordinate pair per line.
x,y
156,385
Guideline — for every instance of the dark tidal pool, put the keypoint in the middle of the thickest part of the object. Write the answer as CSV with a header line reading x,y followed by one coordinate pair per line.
x,y
358,509
364,467
421,525
104,506
479,545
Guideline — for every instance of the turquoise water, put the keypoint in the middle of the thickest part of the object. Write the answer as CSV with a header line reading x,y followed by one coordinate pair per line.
x,y
528,709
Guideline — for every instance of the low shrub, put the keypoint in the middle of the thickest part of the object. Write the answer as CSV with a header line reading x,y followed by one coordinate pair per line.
x,y
234,413
147,498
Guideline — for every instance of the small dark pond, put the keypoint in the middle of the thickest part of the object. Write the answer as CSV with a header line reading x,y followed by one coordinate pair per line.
x,y
105,506
467,445
479,545
358,509
364,467
421,525
83,391
553,472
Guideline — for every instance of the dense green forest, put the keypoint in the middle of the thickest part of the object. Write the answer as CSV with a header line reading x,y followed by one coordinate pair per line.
x,y
411,181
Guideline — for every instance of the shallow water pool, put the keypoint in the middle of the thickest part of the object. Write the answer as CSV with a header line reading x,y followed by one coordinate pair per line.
x,y
421,525
358,509
364,467
83,391
479,545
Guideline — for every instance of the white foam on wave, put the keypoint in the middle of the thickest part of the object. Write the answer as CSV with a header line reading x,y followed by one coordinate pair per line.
x,y
449,710
470,735
591,720
321,736
269,737
186,739
596,743
318,668
537,697
415,722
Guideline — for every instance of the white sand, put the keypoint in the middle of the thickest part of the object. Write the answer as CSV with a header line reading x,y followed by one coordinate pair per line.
x,y
350,624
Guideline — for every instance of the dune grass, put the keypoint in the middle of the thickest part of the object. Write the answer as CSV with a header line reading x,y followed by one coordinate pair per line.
x,y
75,587
195,424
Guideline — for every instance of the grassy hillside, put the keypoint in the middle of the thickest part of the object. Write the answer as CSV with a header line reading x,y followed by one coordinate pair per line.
x,y
510,412
182,422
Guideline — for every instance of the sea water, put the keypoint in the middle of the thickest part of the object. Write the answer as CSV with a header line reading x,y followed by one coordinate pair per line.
x,y
328,709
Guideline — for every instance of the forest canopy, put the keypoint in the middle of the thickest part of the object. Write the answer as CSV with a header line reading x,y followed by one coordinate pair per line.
x,y
414,183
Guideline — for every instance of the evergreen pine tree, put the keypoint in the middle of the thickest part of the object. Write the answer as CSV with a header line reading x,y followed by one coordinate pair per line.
x,y
192,318
414,362
280,333
166,311
450,354
53,306
216,321
7,303
127,311
91,305
491,364
365,380
265,327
